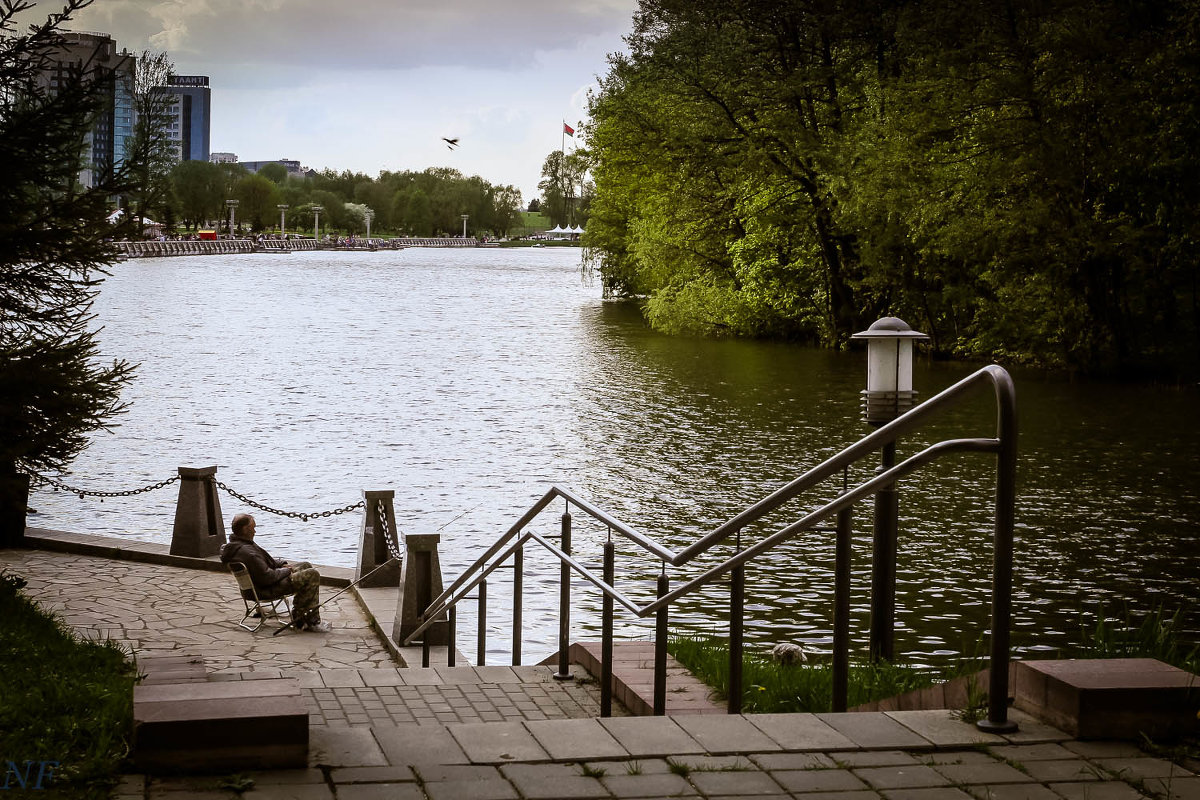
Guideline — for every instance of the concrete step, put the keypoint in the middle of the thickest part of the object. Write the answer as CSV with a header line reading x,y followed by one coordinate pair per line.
x,y
220,726
633,679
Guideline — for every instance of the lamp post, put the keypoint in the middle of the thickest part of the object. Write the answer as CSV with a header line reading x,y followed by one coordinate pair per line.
x,y
233,204
889,394
368,215
464,218
317,221
283,207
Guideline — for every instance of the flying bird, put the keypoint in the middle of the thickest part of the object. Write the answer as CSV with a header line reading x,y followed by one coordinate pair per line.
x,y
450,143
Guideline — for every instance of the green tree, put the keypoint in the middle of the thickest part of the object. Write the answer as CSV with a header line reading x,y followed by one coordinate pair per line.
x,y
198,188
150,150
258,200
275,173
54,389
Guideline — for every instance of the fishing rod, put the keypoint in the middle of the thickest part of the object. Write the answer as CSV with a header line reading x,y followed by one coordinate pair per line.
x,y
344,589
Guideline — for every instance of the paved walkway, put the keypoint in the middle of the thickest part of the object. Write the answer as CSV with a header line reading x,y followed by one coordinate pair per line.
x,y
377,731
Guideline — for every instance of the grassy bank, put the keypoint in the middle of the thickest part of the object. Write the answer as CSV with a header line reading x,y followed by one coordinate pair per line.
x,y
65,699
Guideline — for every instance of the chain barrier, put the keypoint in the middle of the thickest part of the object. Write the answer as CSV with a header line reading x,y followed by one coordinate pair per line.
x,y
59,485
390,537
289,514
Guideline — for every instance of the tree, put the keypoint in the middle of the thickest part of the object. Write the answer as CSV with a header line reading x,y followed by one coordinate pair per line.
x,y
199,190
150,151
275,173
54,391
535,205
258,201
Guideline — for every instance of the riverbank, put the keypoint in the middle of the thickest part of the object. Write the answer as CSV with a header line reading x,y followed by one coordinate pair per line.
x,y
166,249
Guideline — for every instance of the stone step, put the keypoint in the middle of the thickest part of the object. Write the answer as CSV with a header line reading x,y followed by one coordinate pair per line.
x,y
633,679
220,726
1116,698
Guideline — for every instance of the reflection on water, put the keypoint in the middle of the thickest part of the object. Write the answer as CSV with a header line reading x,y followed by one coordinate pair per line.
x,y
471,380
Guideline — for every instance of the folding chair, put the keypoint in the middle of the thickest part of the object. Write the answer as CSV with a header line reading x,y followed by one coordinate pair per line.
x,y
259,606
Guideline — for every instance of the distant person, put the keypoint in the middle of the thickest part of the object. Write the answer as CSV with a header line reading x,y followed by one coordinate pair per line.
x,y
274,578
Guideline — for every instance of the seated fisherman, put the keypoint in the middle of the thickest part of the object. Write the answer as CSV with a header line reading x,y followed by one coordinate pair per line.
x,y
274,578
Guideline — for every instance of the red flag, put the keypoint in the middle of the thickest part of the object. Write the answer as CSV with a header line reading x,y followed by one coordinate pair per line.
x,y
568,130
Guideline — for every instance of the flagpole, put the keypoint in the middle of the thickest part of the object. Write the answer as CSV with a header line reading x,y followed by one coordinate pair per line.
x,y
562,168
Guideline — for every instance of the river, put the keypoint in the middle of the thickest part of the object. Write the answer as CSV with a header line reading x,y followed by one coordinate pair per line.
x,y
470,380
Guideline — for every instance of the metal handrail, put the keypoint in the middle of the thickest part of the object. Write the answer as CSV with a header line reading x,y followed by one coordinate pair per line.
x,y
1003,445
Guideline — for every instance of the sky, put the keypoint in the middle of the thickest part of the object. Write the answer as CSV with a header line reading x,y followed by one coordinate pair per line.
x,y
372,85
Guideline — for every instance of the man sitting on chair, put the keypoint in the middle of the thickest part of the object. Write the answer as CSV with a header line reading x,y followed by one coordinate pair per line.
x,y
274,578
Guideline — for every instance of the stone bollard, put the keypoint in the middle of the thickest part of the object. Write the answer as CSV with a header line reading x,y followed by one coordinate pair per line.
x,y
373,544
420,582
199,528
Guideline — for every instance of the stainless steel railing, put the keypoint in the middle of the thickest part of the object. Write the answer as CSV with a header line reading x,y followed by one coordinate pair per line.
x,y
512,542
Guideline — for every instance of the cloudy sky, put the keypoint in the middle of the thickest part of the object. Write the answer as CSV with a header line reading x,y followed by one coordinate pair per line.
x,y
371,85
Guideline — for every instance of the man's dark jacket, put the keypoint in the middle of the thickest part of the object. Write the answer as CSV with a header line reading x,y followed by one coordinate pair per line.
x,y
265,570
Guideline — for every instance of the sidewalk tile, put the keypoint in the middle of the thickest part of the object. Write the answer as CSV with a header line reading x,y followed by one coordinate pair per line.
x,y
384,676
1074,770
575,739
306,791
553,782
346,775
1031,731
1011,791
996,772
724,733
872,758
379,791
343,747
341,678
421,676
818,780
657,785
874,731
1024,753
940,793
943,729
651,736
1097,791
418,745
800,732
792,761
1175,788
497,742
496,789
901,777
742,784
1142,768
457,675
497,674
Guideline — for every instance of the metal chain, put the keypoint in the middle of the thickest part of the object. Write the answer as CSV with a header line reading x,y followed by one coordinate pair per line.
x,y
291,514
389,537
42,479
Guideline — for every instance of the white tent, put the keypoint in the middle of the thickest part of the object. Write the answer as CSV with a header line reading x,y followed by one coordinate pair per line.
x,y
558,229
577,229
120,212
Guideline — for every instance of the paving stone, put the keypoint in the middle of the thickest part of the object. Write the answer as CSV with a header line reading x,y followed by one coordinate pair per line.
x,y
725,733
575,739
1104,749
1071,770
657,785
343,747
497,742
388,774
995,772
418,745
381,677
792,761
651,736
800,732
308,791
1142,768
553,782
937,793
818,780
901,777
1097,791
874,731
741,784
957,757
943,729
865,794
1051,751
872,758
496,789
1011,791
1175,788
380,791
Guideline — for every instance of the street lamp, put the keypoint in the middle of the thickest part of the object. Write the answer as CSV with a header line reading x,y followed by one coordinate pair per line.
x,y
283,207
233,204
464,217
317,221
369,215
889,393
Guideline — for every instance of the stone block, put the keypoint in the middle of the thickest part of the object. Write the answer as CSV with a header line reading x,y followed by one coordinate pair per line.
x,y
1109,698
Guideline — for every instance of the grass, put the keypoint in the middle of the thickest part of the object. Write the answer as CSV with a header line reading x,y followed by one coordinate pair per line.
x,y
66,699
1152,636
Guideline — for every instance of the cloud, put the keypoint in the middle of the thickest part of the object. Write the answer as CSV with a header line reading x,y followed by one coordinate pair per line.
x,y
302,35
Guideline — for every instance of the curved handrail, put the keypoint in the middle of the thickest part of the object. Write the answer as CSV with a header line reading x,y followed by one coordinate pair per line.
x,y
1004,445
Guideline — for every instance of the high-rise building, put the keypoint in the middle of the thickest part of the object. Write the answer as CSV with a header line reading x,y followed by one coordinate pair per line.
x,y
190,121
95,56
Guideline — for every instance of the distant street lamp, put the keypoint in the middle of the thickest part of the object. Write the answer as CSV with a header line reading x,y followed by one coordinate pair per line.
x,y
464,217
317,221
889,393
233,204
283,207
369,215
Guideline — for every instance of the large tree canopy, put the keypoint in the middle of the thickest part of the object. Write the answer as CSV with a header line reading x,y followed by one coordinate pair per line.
x,y
1016,178
54,391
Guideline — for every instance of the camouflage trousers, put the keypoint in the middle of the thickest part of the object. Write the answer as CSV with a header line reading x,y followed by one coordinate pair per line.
x,y
306,583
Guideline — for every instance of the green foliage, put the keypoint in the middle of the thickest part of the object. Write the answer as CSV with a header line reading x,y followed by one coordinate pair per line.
x,y
1149,635
65,699
54,389
258,200
199,190
1017,180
